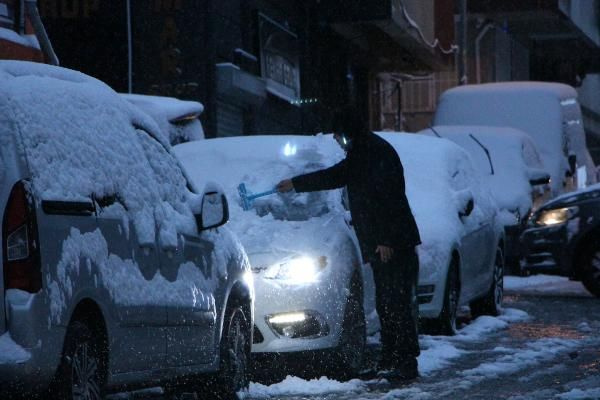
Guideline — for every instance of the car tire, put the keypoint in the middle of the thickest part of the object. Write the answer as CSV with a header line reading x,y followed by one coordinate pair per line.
x,y
235,350
348,359
83,368
445,324
491,303
590,270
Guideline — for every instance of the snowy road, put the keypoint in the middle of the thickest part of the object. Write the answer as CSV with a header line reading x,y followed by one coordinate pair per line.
x,y
545,346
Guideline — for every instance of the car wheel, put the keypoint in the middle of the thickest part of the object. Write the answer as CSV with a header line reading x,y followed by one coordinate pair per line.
x,y
491,303
82,371
349,354
235,356
445,324
590,272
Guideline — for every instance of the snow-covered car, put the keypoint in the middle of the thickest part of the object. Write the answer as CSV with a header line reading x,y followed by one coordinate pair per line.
x,y
562,238
461,255
549,112
307,266
178,119
511,168
112,272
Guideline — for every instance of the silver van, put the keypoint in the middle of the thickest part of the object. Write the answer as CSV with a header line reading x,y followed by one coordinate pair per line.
x,y
115,273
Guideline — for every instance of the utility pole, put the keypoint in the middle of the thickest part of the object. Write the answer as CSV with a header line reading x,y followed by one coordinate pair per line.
x,y
462,39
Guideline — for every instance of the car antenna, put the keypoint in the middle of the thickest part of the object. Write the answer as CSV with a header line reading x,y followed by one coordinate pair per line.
x,y
434,131
487,153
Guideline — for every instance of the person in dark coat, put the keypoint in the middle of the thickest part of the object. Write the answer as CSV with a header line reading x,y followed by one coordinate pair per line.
x,y
386,230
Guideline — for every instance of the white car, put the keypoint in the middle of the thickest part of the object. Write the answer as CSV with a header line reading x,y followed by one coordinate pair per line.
x,y
511,168
178,119
307,266
461,255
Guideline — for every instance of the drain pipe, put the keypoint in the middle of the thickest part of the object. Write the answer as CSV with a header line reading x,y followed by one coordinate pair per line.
x,y
480,36
38,27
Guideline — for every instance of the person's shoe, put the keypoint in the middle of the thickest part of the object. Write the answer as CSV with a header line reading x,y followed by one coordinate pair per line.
x,y
408,369
398,375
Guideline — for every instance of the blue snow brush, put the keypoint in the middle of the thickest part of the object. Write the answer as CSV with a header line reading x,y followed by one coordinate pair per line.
x,y
248,199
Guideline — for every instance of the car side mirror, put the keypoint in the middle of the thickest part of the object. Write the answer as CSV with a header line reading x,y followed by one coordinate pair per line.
x,y
468,208
214,211
572,165
538,177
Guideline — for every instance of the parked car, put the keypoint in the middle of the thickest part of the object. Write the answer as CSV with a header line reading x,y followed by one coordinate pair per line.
x,y
461,257
562,238
510,167
548,112
114,273
178,119
307,266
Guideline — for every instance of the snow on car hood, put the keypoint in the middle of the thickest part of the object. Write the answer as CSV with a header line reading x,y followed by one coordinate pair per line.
x,y
279,226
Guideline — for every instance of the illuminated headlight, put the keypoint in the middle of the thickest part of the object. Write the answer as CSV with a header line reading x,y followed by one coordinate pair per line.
x,y
301,270
556,216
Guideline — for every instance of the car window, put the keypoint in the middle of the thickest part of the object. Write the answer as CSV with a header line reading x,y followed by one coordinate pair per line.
x,y
171,184
165,167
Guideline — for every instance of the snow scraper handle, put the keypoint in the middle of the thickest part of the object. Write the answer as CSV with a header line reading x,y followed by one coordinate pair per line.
x,y
247,199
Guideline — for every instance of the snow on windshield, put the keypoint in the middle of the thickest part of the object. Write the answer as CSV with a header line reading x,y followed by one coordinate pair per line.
x,y
260,162
92,148
511,154
279,225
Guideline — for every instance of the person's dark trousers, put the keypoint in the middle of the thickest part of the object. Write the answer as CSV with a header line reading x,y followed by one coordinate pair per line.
x,y
398,309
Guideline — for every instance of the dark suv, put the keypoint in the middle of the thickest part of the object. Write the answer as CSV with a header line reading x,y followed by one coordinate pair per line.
x,y
563,238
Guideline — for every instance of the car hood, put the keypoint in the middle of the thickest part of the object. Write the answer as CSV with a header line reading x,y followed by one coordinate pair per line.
x,y
570,199
270,241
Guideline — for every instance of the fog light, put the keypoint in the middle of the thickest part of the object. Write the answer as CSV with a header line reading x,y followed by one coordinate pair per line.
x,y
303,324
289,318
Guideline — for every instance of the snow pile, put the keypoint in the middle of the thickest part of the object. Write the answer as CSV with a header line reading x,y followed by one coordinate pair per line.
x,y
533,354
294,386
10,352
166,111
438,351
92,148
544,284
513,157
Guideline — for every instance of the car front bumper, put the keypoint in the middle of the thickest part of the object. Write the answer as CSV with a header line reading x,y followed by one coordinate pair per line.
x,y
324,300
544,250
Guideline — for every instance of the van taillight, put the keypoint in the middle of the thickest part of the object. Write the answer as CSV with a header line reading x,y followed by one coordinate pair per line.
x,y
19,243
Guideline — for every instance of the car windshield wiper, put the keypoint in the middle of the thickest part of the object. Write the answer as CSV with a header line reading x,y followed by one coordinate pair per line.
x,y
487,153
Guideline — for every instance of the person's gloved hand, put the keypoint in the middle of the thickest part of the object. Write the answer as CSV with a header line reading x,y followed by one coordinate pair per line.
x,y
385,253
285,186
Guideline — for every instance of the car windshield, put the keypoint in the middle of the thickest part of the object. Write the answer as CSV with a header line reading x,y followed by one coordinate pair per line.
x,y
293,206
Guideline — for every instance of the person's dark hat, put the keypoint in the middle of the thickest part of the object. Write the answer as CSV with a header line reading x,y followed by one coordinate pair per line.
x,y
348,120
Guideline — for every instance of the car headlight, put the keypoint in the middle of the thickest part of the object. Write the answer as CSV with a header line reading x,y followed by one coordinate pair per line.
x,y
556,216
300,270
